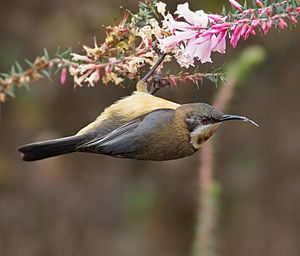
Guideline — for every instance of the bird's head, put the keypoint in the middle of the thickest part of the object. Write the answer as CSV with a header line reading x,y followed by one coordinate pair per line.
x,y
202,121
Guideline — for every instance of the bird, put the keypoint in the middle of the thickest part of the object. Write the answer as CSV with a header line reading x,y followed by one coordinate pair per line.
x,y
140,126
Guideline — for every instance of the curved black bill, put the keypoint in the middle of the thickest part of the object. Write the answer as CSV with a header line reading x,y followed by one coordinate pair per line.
x,y
241,118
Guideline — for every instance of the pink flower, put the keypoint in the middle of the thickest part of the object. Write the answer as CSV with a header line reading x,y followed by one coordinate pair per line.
x,y
293,19
63,76
173,25
188,34
197,35
244,30
93,78
236,5
198,18
78,57
235,37
259,3
290,8
216,17
192,37
161,8
219,42
108,68
201,48
266,26
282,24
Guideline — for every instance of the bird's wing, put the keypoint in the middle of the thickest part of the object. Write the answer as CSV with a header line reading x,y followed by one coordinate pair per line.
x,y
122,141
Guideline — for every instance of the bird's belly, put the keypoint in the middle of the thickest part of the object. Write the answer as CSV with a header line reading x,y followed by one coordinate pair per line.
x,y
161,151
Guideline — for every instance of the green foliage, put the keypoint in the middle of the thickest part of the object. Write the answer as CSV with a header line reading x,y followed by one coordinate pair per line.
x,y
246,62
216,76
146,11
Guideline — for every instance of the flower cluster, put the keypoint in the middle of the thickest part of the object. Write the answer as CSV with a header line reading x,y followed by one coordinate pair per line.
x,y
139,40
196,35
126,49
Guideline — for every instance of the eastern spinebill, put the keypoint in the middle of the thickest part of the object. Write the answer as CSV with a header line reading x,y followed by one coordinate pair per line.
x,y
140,126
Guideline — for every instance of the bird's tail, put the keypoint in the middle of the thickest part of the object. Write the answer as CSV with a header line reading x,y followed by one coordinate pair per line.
x,y
50,148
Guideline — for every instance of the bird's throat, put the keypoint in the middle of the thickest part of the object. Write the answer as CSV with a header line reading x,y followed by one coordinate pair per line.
x,y
201,134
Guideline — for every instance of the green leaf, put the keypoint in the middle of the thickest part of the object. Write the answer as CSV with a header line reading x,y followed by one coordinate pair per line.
x,y
4,75
64,55
50,73
30,64
58,50
224,12
13,70
11,92
279,9
208,23
197,84
26,85
19,68
58,70
266,3
46,74
46,54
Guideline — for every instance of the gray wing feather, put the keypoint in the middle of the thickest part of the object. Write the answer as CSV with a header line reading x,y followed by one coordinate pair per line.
x,y
122,141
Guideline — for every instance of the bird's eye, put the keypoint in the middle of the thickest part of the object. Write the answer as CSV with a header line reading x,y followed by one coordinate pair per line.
x,y
204,120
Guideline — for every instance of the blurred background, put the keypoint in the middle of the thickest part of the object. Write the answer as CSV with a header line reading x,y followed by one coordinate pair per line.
x,y
85,204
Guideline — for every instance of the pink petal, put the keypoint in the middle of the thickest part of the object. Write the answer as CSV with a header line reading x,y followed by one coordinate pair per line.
x,y
179,36
264,27
221,26
206,52
236,36
63,76
200,48
244,29
219,44
167,42
248,32
236,5
185,35
191,49
216,17
293,19
198,18
204,48
173,24
258,3
282,24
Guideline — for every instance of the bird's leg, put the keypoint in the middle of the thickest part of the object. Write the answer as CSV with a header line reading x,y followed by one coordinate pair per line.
x,y
157,83
142,84
155,66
